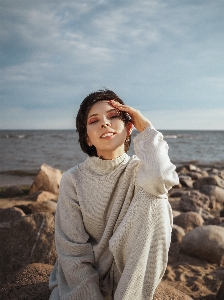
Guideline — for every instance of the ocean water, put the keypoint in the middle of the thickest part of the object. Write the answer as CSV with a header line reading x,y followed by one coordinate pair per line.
x,y
23,151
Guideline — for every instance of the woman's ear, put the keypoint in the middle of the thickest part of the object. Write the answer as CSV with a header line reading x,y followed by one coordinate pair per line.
x,y
89,142
129,127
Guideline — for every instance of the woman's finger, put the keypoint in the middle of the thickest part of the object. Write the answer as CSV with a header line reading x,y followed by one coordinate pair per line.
x,y
122,107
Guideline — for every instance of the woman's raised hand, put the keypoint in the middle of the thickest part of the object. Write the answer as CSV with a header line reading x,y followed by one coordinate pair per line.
x,y
138,120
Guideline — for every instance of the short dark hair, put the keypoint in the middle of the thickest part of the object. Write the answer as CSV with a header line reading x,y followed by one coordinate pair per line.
x,y
81,119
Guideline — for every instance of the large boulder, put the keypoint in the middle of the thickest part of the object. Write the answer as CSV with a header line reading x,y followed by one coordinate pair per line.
x,y
206,243
168,292
25,241
29,282
177,234
195,201
216,194
188,220
41,196
48,179
209,180
10,214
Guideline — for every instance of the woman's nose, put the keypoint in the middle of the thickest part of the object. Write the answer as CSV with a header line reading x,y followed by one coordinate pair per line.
x,y
105,124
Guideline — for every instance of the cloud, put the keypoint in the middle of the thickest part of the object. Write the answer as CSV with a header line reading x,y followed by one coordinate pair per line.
x,y
201,119
155,54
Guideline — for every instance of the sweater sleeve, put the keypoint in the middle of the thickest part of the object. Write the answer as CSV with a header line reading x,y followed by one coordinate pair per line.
x,y
156,174
73,276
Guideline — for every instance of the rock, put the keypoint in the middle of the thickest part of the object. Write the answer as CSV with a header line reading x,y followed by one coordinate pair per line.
x,y
186,181
177,234
25,241
13,191
176,194
188,220
187,168
167,292
177,186
206,243
215,221
209,180
222,213
29,282
195,201
196,175
220,294
216,194
10,214
216,172
36,207
41,196
48,179
175,213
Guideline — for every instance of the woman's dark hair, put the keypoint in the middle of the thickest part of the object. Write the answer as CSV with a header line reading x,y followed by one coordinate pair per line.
x,y
81,119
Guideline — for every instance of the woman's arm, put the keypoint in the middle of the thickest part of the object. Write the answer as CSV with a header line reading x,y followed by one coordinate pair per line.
x,y
156,173
73,276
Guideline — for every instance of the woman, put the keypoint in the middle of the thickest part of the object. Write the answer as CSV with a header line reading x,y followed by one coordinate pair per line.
x,y
113,220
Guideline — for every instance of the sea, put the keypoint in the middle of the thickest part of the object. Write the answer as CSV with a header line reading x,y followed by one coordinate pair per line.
x,y
22,152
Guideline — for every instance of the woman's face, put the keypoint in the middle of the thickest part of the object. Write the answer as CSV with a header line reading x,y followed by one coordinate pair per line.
x,y
106,131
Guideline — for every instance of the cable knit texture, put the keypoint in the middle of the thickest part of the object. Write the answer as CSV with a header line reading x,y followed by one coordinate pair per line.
x,y
113,224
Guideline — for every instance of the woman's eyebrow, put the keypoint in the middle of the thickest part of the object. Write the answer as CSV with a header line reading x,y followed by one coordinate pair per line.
x,y
93,115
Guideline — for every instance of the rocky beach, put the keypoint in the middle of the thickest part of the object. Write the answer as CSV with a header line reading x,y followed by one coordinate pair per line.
x,y
195,267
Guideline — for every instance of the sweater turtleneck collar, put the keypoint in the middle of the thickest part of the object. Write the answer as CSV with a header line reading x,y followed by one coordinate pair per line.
x,y
103,166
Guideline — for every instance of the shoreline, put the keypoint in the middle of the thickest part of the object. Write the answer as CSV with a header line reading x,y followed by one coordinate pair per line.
x,y
26,177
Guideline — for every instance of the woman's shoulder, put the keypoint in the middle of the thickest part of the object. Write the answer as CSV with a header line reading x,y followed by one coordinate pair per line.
x,y
70,174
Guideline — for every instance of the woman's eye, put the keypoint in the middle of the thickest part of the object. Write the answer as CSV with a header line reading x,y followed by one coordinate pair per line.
x,y
114,115
92,121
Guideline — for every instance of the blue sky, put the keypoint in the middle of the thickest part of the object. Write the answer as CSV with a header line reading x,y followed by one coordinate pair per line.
x,y
165,58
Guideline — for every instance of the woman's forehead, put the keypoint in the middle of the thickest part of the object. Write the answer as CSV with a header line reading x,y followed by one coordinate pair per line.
x,y
100,106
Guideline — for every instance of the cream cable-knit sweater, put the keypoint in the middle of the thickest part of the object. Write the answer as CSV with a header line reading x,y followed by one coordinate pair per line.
x,y
113,224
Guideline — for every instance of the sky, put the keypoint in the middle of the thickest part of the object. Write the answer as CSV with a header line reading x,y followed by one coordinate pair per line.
x,y
165,58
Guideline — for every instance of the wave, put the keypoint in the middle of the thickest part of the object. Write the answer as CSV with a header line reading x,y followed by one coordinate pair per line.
x,y
20,173
12,136
170,136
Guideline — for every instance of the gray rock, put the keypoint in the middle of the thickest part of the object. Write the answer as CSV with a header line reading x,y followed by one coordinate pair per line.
x,y
177,234
220,173
209,180
216,194
176,194
196,201
206,243
187,168
48,179
13,191
10,214
25,241
196,175
188,220
186,181
219,221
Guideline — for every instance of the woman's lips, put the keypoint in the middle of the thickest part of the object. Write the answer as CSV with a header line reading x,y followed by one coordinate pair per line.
x,y
107,134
